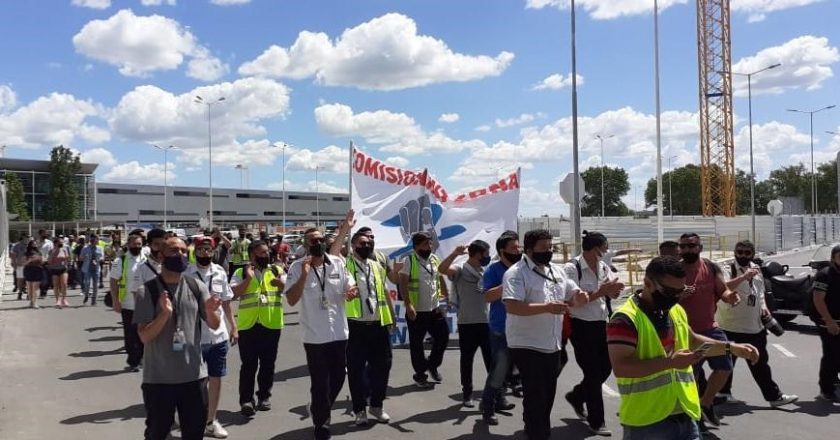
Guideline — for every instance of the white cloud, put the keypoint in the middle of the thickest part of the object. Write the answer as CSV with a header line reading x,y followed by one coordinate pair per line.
x,y
385,53
322,186
556,82
8,99
480,173
133,172
607,9
153,115
99,156
770,141
140,45
757,10
92,4
394,132
330,159
449,118
805,60
50,120
483,128
229,2
158,2
524,118
397,161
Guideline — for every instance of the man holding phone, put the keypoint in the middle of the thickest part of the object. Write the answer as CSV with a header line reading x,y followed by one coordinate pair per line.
x,y
650,346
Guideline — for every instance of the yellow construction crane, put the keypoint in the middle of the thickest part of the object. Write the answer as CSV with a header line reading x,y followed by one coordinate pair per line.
x,y
717,147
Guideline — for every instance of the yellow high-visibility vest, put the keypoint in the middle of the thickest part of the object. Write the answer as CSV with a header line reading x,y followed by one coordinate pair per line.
x,y
252,309
354,306
414,277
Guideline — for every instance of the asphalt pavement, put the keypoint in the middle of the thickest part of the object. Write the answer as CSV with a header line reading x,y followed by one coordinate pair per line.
x,y
61,377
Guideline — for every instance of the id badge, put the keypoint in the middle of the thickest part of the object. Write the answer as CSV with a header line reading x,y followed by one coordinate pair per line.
x,y
325,304
216,287
751,300
263,299
178,340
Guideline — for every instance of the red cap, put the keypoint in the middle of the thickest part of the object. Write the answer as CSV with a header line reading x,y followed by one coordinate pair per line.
x,y
205,239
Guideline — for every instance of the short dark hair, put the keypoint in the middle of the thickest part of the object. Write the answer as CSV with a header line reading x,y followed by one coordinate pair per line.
x,y
420,237
478,246
357,235
364,230
659,267
745,244
255,244
532,237
504,239
591,240
310,230
668,244
155,234
688,235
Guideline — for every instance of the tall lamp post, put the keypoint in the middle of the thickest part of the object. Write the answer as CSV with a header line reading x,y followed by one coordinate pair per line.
x,y
243,170
200,100
317,199
165,183
602,138
670,187
575,166
810,114
752,169
283,146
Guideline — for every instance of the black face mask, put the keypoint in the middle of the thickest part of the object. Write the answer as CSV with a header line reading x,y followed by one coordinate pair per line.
x,y
743,261
542,258
135,251
513,258
317,249
176,263
690,257
262,262
424,253
664,301
203,261
364,252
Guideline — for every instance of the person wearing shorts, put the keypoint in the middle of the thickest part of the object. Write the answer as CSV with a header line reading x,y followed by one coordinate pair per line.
x,y
57,266
33,272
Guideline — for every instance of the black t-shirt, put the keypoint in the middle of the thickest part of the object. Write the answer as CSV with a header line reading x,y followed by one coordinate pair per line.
x,y
828,280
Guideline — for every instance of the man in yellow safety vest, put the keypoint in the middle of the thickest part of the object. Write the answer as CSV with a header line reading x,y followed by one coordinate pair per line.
x,y
124,284
258,286
652,350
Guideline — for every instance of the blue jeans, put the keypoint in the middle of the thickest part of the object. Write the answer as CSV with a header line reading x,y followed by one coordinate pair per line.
x,y
677,427
90,280
499,370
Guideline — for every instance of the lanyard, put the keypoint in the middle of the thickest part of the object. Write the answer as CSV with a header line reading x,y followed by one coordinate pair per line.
x,y
542,275
367,283
429,271
322,281
175,299
209,279
154,271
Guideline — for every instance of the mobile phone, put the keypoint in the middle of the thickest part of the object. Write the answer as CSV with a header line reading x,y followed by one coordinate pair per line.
x,y
704,348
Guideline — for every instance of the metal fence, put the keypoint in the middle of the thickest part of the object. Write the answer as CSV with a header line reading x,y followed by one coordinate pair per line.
x,y
4,237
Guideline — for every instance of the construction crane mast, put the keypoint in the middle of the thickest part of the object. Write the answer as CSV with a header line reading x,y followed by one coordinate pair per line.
x,y
717,146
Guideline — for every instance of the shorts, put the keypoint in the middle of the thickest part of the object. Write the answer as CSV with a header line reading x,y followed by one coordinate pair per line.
x,y
215,355
716,363
19,272
33,273
57,271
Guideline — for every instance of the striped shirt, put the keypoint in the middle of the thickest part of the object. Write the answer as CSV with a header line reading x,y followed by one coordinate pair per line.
x,y
621,330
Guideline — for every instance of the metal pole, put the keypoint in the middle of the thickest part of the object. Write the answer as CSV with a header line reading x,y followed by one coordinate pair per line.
x,y
165,186
670,187
284,186
813,176
317,200
752,170
210,166
576,186
659,227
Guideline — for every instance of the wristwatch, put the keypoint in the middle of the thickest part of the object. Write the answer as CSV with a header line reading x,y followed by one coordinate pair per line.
x,y
728,348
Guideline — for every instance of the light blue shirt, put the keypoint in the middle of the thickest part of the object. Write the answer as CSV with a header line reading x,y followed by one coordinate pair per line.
x,y
91,255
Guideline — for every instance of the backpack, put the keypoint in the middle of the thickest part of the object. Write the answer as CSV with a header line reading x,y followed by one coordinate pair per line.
x,y
154,292
580,275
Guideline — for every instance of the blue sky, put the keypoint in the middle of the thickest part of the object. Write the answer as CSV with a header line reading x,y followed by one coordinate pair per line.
x,y
469,89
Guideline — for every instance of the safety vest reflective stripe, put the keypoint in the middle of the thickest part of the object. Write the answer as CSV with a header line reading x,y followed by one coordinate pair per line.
x,y
414,277
252,310
269,303
354,306
123,277
656,382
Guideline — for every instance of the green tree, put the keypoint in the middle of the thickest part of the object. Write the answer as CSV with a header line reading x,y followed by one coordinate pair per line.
x,y
792,181
827,186
63,195
15,199
616,186
685,188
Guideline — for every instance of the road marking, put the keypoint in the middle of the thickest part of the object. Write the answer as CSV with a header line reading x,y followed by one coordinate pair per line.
x,y
784,350
609,391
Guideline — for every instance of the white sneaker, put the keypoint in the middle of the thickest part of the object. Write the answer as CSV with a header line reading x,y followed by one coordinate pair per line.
x,y
784,399
361,418
379,415
215,430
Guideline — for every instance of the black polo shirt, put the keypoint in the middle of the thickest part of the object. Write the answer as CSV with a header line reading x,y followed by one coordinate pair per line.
x,y
828,280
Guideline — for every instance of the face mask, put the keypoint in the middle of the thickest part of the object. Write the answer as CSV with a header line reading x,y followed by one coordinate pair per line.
x,y
424,253
513,258
363,252
176,263
485,261
743,261
203,261
317,249
135,251
372,245
664,302
690,257
542,258
262,262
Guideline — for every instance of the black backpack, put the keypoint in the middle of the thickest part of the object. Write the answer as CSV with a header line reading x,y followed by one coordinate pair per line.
x,y
153,286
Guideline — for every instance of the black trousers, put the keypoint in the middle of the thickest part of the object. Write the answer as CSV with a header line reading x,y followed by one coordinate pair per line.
x,y
830,361
326,375
472,337
133,345
761,370
257,350
46,281
161,402
433,323
369,361
589,339
539,372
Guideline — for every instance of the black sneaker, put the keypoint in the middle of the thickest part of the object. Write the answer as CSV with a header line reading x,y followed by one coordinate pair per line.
x,y
504,405
710,415
702,427
580,411
422,382
264,405
84,301
436,375
490,419
247,409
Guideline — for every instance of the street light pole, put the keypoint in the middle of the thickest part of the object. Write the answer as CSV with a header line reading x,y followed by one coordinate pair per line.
x,y
165,183
283,146
200,100
670,188
810,114
575,214
659,227
601,138
317,200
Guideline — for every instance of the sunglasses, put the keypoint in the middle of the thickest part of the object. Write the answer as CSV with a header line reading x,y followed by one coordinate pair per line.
x,y
688,245
670,291
744,253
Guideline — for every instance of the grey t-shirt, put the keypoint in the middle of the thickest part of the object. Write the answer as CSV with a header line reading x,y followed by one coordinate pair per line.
x,y
428,278
469,296
162,364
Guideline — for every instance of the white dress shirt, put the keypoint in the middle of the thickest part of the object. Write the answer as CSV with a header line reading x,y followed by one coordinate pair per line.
x,y
589,281
215,278
322,313
132,279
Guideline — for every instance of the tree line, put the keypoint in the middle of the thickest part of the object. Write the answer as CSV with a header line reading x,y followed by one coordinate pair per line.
x,y
62,201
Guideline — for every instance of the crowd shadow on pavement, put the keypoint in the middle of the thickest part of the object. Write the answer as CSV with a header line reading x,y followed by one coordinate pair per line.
x,y
136,411
291,373
407,389
97,353
453,413
113,328
91,374
817,408
482,431
106,339
336,429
